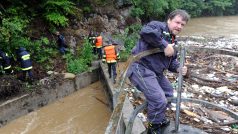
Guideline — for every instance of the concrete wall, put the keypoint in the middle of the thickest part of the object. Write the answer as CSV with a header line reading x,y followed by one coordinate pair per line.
x,y
17,107
109,89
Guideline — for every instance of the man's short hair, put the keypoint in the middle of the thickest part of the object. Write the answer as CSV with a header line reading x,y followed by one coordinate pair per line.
x,y
185,16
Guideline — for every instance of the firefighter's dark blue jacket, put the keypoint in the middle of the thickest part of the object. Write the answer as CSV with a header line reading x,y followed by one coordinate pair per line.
x,y
5,60
24,58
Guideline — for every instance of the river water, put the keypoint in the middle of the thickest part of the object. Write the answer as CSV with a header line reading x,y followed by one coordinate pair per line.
x,y
212,26
84,112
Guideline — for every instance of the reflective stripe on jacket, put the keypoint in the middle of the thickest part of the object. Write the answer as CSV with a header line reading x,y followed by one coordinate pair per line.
x,y
5,68
25,57
99,42
28,68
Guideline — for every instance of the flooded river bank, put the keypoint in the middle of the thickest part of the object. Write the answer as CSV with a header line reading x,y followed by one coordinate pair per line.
x,y
84,112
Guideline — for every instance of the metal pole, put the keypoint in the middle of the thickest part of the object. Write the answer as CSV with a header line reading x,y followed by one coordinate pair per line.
x,y
179,90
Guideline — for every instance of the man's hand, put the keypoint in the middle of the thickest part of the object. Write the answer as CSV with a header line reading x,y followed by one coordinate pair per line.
x,y
169,50
184,70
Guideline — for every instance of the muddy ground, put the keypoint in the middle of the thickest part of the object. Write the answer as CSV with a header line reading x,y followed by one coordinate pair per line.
x,y
12,87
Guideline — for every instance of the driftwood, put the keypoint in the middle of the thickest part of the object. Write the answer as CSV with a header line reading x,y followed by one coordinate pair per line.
x,y
204,79
207,67
214,85
218,56
229,123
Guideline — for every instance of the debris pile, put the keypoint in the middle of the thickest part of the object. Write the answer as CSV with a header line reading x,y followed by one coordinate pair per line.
x,y
10,86
211,77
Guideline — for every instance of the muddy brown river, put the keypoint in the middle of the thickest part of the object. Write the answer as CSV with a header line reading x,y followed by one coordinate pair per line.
x,y
83,112
212,26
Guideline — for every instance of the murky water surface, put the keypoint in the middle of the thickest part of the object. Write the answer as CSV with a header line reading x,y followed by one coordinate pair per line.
x,y
212,26
84,112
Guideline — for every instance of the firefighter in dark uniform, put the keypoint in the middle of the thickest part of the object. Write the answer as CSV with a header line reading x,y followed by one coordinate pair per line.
x,y
5,62
23,57
61,43
92,40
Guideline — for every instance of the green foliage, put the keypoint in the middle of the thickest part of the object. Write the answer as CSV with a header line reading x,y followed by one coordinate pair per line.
x,y
233,10
45,40
12,36
152,9
85,6
16,10
159,9
136,12
42,49
80,63
173,4
57,19
194,7
217,7
56,11
86,52
209,7
87,9
60,6
130,37
11,31
124,56
100,2
76,65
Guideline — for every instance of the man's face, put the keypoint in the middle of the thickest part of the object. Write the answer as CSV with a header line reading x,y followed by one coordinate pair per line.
x,y
176,24
57,33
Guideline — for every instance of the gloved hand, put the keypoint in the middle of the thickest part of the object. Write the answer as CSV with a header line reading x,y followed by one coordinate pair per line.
x,y
184,70
169,50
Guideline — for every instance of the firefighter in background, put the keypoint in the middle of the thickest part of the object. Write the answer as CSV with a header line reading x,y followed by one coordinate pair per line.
x,y
5,63
98,45
61,43
23,57
92,40
111,56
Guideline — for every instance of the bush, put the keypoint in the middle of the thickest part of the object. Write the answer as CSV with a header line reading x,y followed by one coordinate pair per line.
x,y
130,37
11,31
77,66
56,11
57,19
124,56
80,63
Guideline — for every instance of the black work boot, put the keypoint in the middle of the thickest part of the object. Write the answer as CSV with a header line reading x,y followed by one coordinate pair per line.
x,y
165,122
156,128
